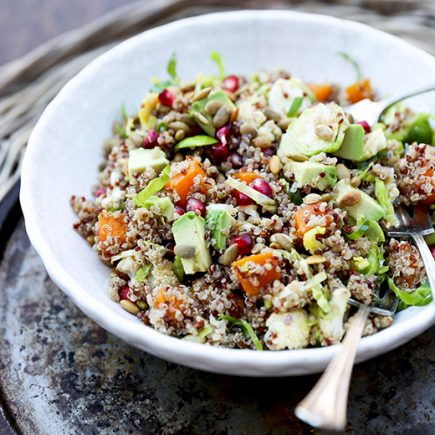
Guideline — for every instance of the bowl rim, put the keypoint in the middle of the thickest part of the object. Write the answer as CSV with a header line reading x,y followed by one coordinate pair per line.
x,y
211,358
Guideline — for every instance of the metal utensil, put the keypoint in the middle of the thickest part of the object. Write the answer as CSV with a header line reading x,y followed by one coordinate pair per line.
x,y
325,405
371,111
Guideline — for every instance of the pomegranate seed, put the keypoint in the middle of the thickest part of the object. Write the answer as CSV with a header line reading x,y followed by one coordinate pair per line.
x,y
100,192
180,211
196,206
269,152
236,160
231,83
243,242
223,134
365,125
151,139
432,249
219,152
166,98
262,186
242,199
123,293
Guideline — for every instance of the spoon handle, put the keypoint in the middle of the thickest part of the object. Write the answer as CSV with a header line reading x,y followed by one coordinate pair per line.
x,y
395,99
326,404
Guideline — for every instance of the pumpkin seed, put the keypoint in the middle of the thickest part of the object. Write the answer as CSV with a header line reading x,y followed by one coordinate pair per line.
x,y
355,181
203,93
283,123
247,128
222,116
298,157
234,114
349,199
179,125
188,86
315,259
185,251
129,306
142,305
312,198
283,240
179,135
274,165
229,255
324,132
212,107
200,118
271,114
187,119
262,142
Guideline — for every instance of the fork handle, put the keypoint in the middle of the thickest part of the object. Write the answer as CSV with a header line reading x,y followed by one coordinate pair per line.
x,y
326,404
428,260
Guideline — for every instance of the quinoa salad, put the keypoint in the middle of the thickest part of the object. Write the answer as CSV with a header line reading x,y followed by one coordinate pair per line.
x,y
246,212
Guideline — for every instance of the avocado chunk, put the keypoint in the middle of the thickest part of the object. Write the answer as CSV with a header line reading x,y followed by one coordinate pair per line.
x,y
189,235
318,129
139,159
359,147
200,106
316,174
364,207
219,221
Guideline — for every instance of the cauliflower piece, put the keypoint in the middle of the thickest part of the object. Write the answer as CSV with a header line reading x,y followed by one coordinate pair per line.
x,y
285,91
331,325
289,330
249,113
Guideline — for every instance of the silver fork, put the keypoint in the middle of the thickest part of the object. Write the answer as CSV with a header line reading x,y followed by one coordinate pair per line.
x,y
371,111
325,406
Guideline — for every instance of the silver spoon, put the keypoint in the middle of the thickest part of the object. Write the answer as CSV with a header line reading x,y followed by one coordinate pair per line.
x,y
371,111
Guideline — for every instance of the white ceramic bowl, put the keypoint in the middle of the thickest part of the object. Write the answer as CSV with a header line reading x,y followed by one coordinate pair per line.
x,y
66,147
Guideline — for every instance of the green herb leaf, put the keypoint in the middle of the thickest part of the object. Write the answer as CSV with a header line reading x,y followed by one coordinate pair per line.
x,y
419,297
178,269
142,273
245,327
296,104
172,67
321,299
195,141
124,115
353,62
160,86
217,58
152,187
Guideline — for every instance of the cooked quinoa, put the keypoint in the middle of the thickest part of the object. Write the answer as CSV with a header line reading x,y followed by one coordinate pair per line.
x,y
246,212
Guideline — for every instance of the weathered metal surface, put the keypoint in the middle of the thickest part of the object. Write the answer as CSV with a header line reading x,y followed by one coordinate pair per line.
x,y
60,373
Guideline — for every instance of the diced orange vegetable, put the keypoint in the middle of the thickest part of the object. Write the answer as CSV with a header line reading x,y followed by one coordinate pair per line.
x,y
359,90
111,225
303,215
170,300
183,181
322,92
247,177
253,283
